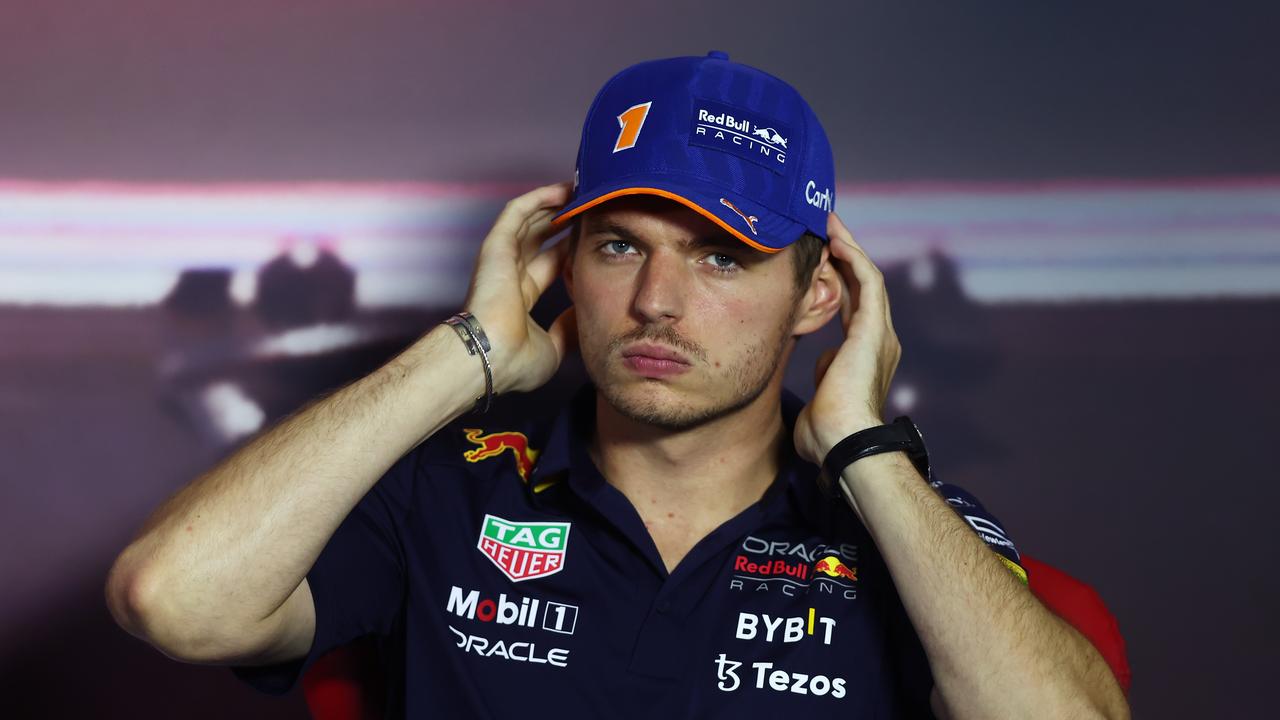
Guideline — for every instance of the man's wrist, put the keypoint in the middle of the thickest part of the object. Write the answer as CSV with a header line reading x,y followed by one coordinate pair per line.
x,y
828,440
476,342
440,364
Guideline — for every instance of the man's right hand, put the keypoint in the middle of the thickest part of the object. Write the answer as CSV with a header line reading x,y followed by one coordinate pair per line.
x,y
218,573
511,273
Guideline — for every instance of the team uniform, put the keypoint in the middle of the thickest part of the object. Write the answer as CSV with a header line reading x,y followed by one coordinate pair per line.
x,y
506,577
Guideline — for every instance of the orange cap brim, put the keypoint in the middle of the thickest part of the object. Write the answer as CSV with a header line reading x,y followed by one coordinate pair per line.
x,y
670,196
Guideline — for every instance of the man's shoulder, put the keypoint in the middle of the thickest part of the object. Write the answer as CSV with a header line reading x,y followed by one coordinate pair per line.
x,y
509,437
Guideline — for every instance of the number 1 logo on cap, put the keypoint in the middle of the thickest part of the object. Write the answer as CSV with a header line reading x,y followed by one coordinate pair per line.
x,y
630,123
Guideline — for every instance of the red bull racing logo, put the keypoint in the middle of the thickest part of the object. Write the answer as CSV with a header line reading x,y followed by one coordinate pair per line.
x,y
795,569
832,567
494,444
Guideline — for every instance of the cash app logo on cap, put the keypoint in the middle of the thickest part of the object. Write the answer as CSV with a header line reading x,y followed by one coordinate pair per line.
x,y
524,550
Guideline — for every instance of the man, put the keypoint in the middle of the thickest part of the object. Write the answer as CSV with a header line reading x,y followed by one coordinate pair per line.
x,y
662,546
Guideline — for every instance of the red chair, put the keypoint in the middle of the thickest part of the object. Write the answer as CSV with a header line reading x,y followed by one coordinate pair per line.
x,y
1079,604
346,684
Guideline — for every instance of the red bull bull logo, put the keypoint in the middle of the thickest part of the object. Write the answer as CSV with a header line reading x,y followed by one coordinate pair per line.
x,y
494,444
831,566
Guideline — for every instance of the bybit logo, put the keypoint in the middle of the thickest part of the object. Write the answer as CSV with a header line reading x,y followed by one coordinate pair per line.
x,y
784,629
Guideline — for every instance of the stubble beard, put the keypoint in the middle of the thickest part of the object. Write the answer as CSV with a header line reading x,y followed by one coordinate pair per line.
x,y
743,383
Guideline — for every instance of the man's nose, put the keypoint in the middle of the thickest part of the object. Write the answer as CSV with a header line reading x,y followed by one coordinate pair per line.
x,y
661,287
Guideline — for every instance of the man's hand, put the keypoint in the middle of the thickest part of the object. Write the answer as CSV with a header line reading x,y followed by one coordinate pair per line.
x,y
511,273
994,650
852,380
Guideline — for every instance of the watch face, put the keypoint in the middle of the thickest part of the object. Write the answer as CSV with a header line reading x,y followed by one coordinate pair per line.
x,y
913,431
920,453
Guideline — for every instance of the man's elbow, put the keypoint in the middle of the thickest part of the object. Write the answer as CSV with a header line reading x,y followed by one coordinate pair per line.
x,y
138,602
1112,706
1100,700
1059,698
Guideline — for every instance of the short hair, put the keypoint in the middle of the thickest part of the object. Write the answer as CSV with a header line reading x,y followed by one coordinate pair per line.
x,y
806,253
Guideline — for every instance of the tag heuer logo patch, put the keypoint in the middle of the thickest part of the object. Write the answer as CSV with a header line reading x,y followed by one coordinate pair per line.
x,y
524,550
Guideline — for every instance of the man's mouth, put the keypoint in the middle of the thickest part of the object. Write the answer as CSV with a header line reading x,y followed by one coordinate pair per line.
x,y
654,360
656,352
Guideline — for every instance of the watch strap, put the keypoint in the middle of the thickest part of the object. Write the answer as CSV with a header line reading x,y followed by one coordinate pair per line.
x,y
893,437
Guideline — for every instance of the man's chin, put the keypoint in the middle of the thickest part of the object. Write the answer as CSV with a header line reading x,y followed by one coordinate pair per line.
x,y
654,402
666,406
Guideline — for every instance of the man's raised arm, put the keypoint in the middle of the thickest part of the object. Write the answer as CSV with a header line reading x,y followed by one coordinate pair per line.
x,y
217,573
995,651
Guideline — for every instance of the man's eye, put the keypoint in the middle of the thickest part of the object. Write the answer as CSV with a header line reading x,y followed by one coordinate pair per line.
x,y
723,262
617,247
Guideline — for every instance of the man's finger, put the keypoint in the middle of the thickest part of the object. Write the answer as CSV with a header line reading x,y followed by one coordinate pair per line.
x,y
545,268
536,231
824,363
870,280
883,297
849,285
564,333
514,217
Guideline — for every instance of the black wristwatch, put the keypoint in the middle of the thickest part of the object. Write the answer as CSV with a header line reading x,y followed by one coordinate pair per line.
x,y
901,434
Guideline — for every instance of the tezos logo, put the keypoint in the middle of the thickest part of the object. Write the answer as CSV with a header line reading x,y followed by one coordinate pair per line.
x,y
524,550
767,678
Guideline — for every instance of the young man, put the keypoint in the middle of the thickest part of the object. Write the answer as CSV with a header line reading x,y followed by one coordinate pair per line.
x,y
662,545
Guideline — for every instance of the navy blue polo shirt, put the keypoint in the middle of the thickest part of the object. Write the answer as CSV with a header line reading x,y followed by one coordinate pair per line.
x,y
506,577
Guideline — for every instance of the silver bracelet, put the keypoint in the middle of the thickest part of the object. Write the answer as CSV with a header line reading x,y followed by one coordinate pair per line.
x,y
468,328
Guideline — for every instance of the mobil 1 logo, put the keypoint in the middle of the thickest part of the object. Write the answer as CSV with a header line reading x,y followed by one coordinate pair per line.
x,y
513,610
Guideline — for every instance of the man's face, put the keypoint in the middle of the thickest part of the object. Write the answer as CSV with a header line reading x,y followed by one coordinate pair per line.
x,y
679,322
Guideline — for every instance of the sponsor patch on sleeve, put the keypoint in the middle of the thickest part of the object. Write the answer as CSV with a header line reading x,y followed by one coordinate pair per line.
x,y
984,525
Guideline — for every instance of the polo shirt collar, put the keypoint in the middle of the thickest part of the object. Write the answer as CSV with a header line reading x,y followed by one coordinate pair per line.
x,y
565,454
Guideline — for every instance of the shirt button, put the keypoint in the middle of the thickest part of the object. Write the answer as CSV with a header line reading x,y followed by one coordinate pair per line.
x,y
664,607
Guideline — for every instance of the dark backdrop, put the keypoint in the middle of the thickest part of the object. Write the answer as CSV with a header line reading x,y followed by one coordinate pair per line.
x,y
1091,347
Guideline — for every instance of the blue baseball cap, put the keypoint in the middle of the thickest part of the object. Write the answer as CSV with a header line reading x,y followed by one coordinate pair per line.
x,y
733,143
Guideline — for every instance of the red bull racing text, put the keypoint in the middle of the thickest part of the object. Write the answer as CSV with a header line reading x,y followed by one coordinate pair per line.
x,y
795,569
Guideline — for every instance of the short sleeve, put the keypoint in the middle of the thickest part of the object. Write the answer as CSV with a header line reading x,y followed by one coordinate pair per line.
x,y
357,583
915,679
984,524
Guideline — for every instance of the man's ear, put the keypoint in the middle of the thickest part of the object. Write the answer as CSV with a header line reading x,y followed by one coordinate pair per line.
x,y
821,299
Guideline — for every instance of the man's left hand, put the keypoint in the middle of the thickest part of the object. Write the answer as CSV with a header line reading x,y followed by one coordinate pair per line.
x,y
852,380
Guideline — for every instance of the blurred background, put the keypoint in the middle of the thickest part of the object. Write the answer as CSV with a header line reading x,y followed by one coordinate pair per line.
x,y
210,212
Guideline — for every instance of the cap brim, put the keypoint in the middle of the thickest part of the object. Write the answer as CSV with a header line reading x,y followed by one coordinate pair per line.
x,y
759,228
